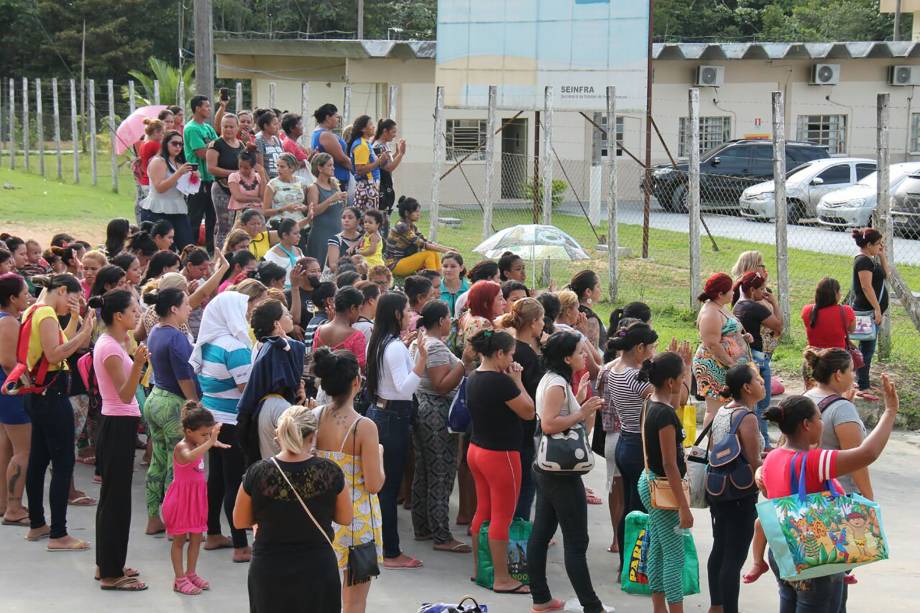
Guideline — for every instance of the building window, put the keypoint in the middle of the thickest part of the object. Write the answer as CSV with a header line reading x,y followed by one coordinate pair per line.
x,y
915,133
714,131
465,136
827,130
600,138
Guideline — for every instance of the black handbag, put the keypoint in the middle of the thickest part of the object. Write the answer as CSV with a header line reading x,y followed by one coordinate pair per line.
x,y
362,559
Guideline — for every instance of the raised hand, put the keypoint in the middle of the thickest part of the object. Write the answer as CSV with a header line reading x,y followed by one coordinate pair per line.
x,y
892,403
140,354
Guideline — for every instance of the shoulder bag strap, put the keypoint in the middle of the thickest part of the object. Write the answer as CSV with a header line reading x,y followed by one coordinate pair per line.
x,y
354,450
699,439
843,322
303,504
642,429
828,401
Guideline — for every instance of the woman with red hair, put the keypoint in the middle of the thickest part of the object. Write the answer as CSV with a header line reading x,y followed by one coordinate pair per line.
x,y
723,342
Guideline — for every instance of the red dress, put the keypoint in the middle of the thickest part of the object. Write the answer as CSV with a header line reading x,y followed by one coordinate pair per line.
x,y
185,507
355,343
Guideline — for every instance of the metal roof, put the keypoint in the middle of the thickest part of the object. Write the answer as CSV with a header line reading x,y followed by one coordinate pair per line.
x,y
783,51
354,49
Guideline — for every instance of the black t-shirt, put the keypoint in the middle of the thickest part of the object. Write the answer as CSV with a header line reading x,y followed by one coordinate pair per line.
x,y
387,195
752,315
657,417
495,425
282,521
531,375
228,158
860,303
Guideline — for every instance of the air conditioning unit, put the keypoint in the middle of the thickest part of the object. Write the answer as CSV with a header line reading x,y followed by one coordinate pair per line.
x,y
710,76
904,75
825,74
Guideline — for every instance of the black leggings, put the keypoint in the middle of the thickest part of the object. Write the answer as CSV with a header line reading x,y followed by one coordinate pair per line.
x,y
115,450
732,532
225,472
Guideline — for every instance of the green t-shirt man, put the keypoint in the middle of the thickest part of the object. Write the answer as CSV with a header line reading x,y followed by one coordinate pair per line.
x,y
197,136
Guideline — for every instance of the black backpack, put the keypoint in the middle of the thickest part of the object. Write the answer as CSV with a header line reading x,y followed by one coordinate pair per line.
x,y
729,475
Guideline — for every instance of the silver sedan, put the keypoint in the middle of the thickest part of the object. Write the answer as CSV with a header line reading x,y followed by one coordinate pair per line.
x,y
853,207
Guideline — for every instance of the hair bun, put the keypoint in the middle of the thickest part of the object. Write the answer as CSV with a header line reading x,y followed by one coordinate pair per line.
x,y
96,302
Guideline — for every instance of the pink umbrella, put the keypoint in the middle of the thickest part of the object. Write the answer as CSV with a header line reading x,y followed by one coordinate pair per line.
x,y
131,129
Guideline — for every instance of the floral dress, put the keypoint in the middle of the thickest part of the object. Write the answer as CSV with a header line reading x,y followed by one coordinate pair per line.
x,y
710,372
365,527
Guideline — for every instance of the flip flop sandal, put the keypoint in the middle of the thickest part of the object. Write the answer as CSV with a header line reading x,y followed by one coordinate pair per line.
x,y
35,539
128,572
89,460
184,586
455,548
125,584
22,521
224,544
755,574
553,605
82,501
78,546
515,590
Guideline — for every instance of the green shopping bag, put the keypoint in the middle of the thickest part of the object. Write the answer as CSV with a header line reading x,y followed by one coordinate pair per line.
x,y
518,535
634,576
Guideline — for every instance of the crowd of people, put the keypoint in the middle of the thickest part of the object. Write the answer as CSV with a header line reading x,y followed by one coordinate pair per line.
x,y
312,364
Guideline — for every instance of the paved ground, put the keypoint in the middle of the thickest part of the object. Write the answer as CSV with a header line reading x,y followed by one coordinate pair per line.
x,y
32,580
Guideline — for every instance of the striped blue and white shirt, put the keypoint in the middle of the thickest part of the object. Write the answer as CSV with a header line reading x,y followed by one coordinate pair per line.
x,y
226,363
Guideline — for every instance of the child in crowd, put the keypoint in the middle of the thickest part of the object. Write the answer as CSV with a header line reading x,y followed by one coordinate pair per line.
x,y
185,507
372,243
37,264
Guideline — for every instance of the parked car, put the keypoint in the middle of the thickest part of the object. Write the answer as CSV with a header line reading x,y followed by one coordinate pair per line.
x,y
853,207
905,206
725,172
805,185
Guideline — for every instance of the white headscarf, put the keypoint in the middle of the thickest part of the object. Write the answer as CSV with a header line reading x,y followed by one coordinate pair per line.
x,y
224,315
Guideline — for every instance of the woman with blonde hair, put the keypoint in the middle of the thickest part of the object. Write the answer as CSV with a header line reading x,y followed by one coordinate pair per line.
x,y
293,564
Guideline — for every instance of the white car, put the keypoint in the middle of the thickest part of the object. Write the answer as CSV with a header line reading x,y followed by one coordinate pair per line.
x,y
805,186
852,207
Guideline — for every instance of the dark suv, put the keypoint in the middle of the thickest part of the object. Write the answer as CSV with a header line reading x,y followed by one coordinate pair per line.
x,y
726,171
905,207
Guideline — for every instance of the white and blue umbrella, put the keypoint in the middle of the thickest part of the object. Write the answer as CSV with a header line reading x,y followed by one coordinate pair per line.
x,y
533,242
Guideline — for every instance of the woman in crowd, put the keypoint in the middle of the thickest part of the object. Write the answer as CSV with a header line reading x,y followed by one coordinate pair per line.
x,y
222,158
246,186
163,235
624,396
135,260
733,520
365,322
324,140
572,319
870,270
161,263
512,291
272,276
286,253
268,145
50,412
15,426
722,342
386,134
344,243
323,309
247,134
242,265
117,376
327,202
587,286
800,421
178,116
392,379
827,322
486,303
109,277
175,384
662,442
484,270
340,333
93,262
755,318
351,442
498,401
453,280
221,358
260,238
293,563
165,201
285,195
153,131
237,240
435,447
117,233
512,268
561,498
366,163
168,119
407,250
525,323
418,290
291,131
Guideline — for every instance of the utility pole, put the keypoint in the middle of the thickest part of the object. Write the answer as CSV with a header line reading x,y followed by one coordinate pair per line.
x,y
204,44
897,20
82,92
360,19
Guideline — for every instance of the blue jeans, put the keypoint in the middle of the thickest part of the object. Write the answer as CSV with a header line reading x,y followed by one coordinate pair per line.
x,y
629,460
821,595
867,349
393,429
763,362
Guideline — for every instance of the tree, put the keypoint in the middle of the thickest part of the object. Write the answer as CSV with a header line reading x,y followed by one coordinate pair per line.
x,y
168,78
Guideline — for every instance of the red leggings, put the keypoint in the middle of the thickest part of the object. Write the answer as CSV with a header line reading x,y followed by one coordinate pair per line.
x,y
497,475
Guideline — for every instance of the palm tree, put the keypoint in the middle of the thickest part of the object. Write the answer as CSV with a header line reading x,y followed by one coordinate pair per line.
x,y
168,77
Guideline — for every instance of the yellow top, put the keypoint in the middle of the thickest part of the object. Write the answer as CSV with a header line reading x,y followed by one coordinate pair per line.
x,y
361,152
375,258
260,245
42,312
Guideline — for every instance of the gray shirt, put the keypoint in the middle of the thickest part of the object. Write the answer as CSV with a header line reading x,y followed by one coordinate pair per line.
x,y
839,412
271,411
438,355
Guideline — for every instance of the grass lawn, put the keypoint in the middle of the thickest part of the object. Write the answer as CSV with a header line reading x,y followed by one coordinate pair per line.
x,y
46,206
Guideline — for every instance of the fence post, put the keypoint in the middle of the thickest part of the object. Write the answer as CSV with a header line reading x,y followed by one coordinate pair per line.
x,y
12,124
56,119
883,210
346,106
180,94
613,240
91,86
487,201
156,92
693,195
132,104
547,162
305,111
436,162
39,127
271,94
393,102
779,197
25,123
113,136
239,97
74,131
